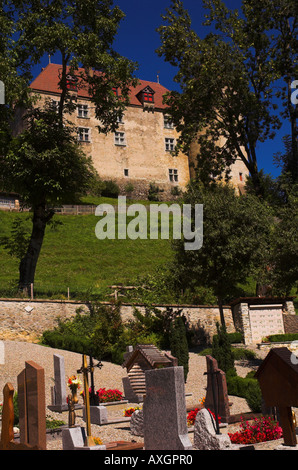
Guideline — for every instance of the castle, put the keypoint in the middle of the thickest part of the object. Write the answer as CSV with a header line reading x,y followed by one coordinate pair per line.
x,y
140,152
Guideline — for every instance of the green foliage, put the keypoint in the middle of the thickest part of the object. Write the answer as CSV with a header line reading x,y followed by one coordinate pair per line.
x,y
17,243
282,337
179,344
102,333
110,189
242,353
236,337
153,192
222,351
235,242
247,388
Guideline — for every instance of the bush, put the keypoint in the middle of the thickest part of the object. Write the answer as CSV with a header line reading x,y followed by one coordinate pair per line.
x,y
153,192
68,342
282,337
179,345
242,353
247,388
233,338
222,351
110,189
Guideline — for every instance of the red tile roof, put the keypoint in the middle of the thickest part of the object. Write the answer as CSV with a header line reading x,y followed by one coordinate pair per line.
x,y
48,81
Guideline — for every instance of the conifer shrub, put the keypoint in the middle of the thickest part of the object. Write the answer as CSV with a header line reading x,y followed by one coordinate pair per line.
x,y
179,344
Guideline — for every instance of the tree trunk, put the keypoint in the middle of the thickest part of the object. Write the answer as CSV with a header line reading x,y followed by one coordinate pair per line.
x,y
41,217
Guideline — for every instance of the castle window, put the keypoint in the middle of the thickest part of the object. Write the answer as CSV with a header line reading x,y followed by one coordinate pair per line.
x,y
55,105
83,111
120,138
173,175
120,119
84,134
126,172
241,176
169,144
168,124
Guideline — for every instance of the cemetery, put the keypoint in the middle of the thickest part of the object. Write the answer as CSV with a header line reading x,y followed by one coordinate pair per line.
x,y
152,409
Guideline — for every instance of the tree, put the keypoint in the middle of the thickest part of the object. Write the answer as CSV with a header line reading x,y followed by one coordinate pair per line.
x,y
44,164
237,231
226,86
179,345
283,275
280,20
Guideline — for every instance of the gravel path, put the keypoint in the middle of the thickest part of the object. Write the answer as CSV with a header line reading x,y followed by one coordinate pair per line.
x,y
110,376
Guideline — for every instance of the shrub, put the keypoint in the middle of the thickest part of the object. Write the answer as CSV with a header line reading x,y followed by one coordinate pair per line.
x,y
222,351
68,342
233,338
110,189
282,337
242,353
153,192
246,388
179,345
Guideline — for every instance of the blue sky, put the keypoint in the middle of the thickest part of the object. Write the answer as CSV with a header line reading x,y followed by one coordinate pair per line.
x,y
138,40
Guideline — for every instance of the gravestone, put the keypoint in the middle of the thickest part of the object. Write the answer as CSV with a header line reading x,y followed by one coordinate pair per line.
x,y
98,414
278,379
217,390
32,405
205,437
137,423
74,439
164,410
59,401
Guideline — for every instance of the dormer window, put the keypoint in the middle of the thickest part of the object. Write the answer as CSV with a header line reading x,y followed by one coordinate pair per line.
x,y
71,83
147,95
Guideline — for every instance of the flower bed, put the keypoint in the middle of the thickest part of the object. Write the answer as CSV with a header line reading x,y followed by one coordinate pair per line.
x,y
259,430
109,395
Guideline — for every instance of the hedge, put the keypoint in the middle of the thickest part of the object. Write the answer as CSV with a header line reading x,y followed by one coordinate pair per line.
x,y
247,388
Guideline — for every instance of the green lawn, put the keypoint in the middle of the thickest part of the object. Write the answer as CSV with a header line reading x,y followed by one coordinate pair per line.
x,y
73,257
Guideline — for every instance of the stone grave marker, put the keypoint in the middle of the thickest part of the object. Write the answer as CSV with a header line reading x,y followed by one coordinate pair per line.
x,y
164,410
205,436
59,401
217,390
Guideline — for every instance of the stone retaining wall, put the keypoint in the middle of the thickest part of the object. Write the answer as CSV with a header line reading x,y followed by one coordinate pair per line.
x,y
27,319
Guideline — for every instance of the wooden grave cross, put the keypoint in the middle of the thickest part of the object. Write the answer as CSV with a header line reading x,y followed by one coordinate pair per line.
x,y
7,435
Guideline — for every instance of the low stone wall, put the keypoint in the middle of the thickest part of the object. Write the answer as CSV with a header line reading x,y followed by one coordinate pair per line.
x,y
27,319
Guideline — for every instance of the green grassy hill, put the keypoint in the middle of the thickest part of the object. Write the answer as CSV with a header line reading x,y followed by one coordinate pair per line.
x,y
73,257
